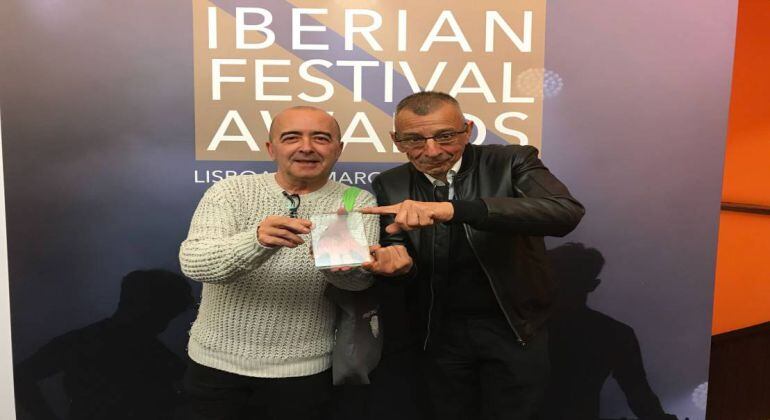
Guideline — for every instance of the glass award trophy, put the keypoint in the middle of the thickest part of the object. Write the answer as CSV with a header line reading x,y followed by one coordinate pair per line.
x,y
339,240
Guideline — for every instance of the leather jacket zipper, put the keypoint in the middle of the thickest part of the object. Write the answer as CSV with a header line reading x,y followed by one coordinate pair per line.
x,y
432,272
520,340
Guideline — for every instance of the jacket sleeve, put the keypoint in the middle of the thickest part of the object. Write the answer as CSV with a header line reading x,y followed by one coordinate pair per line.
x,y
541,205
215,251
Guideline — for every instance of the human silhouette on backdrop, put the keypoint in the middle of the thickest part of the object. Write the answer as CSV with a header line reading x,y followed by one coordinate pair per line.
x,y
116,368
587,346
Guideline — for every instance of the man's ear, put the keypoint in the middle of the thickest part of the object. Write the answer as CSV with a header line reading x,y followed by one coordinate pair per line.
x,y
469,131
398,145
269,147
342,148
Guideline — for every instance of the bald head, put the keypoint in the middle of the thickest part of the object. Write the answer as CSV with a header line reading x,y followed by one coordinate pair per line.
x,y
284,121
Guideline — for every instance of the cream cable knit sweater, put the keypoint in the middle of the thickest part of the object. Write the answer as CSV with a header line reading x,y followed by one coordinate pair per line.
x,y
262,311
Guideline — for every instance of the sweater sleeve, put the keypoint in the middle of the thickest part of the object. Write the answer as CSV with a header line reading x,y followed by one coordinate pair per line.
x,y
358,278
215,251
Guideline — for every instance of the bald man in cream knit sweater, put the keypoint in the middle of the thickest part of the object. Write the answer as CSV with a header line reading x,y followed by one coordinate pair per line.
x,y
264,332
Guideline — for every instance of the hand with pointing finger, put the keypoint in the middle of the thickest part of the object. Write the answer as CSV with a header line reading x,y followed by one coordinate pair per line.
x,y
411,215
275,231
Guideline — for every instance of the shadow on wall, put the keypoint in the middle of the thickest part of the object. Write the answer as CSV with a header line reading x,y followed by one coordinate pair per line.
x,y
587,346
116,368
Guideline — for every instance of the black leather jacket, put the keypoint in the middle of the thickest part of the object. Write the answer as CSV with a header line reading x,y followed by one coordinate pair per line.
x,y
524,203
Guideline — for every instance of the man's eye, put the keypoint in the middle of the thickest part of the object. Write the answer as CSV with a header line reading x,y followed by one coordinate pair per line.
x,y
289,139
444,136
322,139
412,139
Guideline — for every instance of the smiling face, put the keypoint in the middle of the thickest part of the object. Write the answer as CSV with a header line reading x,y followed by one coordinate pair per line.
x,y
305,144
433,159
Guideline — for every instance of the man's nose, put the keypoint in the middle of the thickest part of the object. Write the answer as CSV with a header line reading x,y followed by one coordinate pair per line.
x,y
306,145
432,148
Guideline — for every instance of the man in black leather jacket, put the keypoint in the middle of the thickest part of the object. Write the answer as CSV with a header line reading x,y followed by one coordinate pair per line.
x,y
473,219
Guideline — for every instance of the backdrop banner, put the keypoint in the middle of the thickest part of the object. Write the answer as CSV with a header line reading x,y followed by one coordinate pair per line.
x,y
117,116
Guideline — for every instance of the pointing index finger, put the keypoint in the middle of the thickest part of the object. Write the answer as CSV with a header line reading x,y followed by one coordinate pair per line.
x,y
392,209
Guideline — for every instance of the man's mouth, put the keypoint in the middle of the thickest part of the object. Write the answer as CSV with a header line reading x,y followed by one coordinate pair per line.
x,y
433,162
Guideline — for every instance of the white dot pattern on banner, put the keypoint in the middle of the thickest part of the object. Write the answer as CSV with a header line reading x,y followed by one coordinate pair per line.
x,y
262,310
700,395
539,83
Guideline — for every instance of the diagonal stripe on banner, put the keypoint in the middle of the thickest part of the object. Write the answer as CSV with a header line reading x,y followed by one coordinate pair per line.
x,y
371,91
